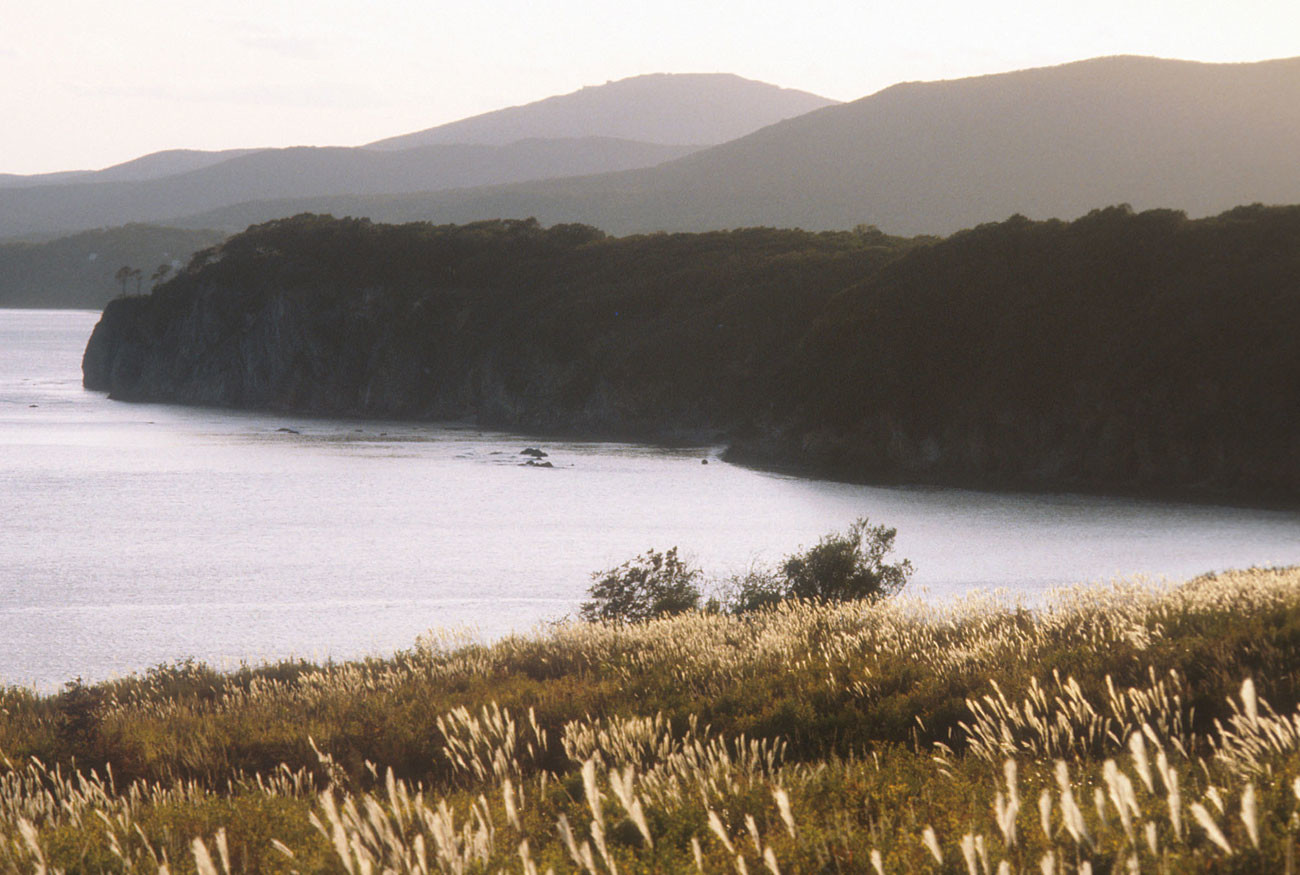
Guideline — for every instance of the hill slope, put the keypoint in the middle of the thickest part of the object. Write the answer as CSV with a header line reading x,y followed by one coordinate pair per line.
x,y
1053,142
304,171
936,157
669,108
633,123
155,165
78,271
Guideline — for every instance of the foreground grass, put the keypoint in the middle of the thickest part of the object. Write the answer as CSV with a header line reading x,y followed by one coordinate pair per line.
x,y
1125,728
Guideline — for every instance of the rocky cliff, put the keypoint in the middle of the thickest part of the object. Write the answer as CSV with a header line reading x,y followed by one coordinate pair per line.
x,y
1133,352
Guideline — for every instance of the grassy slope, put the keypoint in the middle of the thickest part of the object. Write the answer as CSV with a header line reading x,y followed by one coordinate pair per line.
x,y
812,736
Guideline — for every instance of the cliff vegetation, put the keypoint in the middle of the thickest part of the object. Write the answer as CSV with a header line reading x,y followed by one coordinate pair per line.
x,y
1123,351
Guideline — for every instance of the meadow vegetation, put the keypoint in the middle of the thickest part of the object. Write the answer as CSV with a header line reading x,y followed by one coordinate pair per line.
x,y
1127,727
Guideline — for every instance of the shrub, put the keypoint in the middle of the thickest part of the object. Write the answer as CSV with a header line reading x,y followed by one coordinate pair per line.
x,y
755,589
848,566
653,584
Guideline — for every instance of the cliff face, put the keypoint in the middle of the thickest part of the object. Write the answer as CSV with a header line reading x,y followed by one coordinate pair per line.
x,y
504,323
388,358
1134,353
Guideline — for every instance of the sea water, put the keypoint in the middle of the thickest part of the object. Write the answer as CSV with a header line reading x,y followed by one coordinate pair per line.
x,y
133,535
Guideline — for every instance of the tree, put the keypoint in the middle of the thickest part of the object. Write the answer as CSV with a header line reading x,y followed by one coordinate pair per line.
x,y
160,274
124,273
653,584
843,567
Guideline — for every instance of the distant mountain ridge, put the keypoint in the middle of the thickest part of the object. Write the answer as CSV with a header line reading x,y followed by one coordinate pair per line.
x,y
631,123
668,108
918,157
155,165
933,157
314,171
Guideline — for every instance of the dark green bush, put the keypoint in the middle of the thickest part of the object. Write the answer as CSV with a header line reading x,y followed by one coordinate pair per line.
x,y
848,566
840,567
754,590
653,584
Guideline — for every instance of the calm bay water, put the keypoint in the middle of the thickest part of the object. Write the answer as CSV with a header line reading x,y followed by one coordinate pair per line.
x,y
133,535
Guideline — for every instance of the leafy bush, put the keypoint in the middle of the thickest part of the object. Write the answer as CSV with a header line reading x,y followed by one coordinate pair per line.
x,y
841,567
755,589
848,566
653,584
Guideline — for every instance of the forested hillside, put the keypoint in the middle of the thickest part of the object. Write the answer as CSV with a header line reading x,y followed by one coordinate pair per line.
x,y
81,270
1121,351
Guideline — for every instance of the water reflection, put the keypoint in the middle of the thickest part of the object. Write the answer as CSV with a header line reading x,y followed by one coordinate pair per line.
x,y
138,534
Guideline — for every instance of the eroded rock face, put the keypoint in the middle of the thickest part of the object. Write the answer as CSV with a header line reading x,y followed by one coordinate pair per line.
x,y
385,361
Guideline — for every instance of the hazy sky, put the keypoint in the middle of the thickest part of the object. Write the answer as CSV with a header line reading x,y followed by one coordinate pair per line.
x,y
89,83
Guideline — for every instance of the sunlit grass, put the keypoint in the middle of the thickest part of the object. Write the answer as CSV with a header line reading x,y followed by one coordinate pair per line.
x,y
1123,728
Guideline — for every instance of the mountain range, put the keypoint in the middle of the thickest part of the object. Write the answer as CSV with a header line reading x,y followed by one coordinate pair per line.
x,y
280,174
702,151
932,157
668,108
157,164
632,123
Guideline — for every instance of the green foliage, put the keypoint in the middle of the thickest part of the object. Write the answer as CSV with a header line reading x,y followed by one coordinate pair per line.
x,y
1108,351
756,589
841,567
653,584
847,566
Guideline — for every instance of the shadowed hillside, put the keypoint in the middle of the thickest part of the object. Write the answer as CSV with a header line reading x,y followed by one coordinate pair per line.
x,y
1122,351
79,271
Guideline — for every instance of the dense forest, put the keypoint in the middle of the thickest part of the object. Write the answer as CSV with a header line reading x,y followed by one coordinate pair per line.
x,y
1121,351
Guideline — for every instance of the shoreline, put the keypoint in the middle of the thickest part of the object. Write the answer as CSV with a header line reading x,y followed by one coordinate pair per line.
x,y
735,453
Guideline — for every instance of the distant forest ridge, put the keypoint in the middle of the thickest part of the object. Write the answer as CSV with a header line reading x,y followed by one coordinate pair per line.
x,y
80,271
1122,351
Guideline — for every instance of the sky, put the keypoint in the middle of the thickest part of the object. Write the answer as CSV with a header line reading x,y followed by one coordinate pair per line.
x,y
85,84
